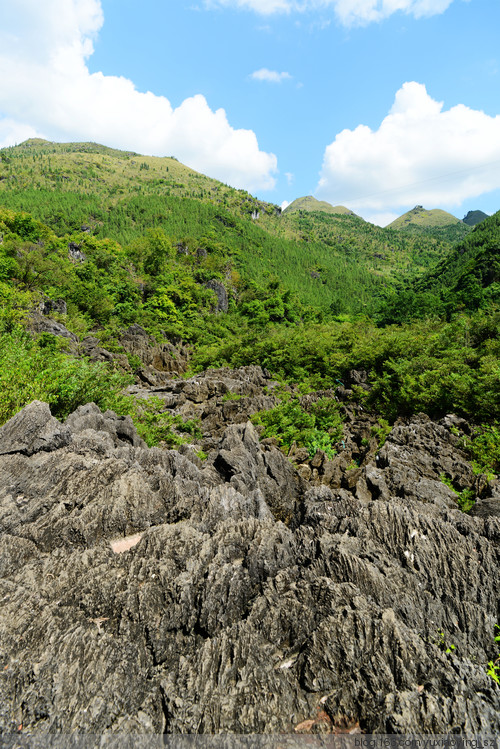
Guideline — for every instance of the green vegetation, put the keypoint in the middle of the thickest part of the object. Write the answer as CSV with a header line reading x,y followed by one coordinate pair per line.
x,y
38,370
317,428
466,499
312,295
381,431
443,644
474,217
429,366
85,188
157,426
484,449
310,203
494,666
467,278
419,216
435,223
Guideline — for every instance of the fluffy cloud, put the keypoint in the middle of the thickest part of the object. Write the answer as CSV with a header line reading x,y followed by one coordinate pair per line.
x,y
270,76
46,89
420,154
348,12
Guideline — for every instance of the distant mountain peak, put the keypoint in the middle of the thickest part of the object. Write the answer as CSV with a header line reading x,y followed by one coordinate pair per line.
x,y
474,217
425,219
310,203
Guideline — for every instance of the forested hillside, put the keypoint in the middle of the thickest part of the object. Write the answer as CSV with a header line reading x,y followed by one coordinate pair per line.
x,y
123,240
75,188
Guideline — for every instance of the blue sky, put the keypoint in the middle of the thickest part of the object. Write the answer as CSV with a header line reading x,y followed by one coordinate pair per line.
x,y
375,104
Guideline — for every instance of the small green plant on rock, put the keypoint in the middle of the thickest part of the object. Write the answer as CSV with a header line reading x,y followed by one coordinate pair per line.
x,y
443,645
381,431
484,447
156,425
466,499
494,666
231,397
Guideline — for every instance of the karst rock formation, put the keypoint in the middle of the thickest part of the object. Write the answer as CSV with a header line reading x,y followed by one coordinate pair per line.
x,y
146,590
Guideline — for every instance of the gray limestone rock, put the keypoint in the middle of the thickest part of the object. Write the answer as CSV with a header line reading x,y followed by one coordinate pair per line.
x,y
145,590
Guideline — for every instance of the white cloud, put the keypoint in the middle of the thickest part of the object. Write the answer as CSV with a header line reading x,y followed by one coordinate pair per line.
x,y
284,205
270,76
420,154
348,12
46,89
381,219
290,178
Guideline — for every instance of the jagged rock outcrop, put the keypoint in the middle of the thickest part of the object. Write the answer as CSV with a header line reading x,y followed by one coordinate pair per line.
x,y
216,398
146,591
220,292
157,358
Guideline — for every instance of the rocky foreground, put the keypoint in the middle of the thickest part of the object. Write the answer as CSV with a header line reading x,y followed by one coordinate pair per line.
x,y
149,591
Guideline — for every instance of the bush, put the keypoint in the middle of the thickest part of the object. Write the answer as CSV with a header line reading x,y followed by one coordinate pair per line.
x,y
320,428
38,370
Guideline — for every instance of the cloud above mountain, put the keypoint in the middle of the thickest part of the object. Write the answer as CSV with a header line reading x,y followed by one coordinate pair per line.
x,y
420,154
46,89
348,12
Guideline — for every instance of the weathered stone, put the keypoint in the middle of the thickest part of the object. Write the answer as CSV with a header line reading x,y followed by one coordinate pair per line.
x,y
33,430
145,590
39,323
220,292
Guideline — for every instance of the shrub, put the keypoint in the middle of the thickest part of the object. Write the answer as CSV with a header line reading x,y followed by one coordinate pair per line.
x,y
319,428
38,370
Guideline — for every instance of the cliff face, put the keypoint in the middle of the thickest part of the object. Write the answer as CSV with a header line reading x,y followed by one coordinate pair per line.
x,y
145,590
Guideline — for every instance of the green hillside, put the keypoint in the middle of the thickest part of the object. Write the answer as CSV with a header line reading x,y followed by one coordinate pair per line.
x,y
310,203
470,273
310,295
468,277
474,217
332,261
433,222
419,216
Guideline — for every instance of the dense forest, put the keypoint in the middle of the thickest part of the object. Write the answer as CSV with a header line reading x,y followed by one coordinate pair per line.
x,y
123,239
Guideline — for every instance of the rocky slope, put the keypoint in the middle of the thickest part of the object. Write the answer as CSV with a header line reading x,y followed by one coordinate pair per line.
x,y
148,591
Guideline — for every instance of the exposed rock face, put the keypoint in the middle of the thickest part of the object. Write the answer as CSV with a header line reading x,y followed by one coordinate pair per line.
x,y
216,397
41,324
146,591
75,251
220,291
53,305
156,358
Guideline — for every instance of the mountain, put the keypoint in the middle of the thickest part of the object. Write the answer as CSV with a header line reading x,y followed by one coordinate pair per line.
x,y
474,217
470,273
104,178
467,278
310,203
87,190
435,223
420,217
224,476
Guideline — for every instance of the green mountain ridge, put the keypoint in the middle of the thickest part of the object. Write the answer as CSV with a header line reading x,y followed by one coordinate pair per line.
x,y
472,218
111,239
467,278
420,216
310,203
435,222
329,260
